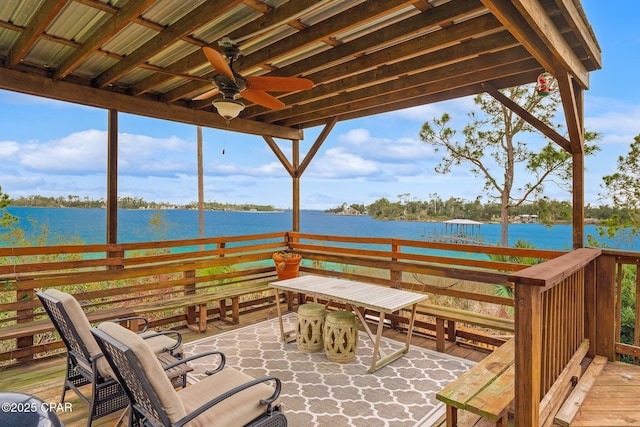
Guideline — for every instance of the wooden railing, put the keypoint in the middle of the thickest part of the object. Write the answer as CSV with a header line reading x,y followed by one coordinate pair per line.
x,y
555,306
620,271
569,304
104,277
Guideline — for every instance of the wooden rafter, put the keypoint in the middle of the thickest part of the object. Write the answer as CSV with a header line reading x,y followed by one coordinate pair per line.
x,y
418,54
580,29
364,57
130,11
392,91
358,15
42,18
196,59
194,19
531,25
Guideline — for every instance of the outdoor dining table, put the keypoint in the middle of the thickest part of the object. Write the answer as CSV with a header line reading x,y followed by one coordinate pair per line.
x,y
360,296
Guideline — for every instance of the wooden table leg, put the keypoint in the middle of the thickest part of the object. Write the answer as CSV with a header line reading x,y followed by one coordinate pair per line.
x,y
277,295
287,336
376,345
452,416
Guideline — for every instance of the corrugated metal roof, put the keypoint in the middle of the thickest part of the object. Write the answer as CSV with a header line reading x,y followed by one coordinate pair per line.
x,y
347,46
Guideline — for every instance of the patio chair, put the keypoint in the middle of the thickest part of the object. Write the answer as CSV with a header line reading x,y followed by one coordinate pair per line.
x,y
229,398
85,364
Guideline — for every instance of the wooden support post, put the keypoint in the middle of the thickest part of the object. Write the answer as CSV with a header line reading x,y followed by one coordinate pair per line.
x,y
528,345
295,161
605,306
112,178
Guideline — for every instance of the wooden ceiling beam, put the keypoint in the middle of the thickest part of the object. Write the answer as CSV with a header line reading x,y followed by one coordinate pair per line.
x,y
272,19
391,92
432,42
37,25
357,15
84,95
431,98
395,32
424,79
339,23
117,22
531,25
499,43
198,17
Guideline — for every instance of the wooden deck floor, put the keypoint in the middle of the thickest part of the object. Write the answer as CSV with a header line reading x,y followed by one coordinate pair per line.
x,y
614,400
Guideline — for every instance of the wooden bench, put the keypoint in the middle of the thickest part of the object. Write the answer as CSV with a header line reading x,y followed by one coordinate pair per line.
x,y
571,406
200,301
21,330
486,390
447,317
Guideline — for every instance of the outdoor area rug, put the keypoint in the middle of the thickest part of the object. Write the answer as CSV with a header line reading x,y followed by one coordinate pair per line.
x,y
318,392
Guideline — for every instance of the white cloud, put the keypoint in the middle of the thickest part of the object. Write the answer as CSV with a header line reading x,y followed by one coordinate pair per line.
x,y
616,120
8,148
360,142
355,136
80,152
339,163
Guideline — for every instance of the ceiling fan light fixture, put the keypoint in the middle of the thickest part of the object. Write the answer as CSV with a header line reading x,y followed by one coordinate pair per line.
x,y
228,108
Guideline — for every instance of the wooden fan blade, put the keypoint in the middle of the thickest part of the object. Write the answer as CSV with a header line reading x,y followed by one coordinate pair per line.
x,y
262,98
218,62
207,95
278,84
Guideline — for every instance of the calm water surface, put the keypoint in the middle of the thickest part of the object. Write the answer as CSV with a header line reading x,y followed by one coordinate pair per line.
x,y
89,226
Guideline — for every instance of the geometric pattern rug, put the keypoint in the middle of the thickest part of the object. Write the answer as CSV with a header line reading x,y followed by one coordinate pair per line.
x,y
318,392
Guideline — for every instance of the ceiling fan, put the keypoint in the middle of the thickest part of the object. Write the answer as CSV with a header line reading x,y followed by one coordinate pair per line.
x,y
233,85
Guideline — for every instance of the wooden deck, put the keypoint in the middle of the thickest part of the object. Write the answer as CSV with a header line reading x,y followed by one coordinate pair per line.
x,y
613,401
44,379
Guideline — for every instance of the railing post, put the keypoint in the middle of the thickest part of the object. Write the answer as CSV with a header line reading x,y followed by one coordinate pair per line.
x,y
395,275
605,306
528,344
115,252
24,316
590,306
190,289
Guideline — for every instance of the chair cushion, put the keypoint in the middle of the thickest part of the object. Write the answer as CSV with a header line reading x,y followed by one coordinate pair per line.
x,y
237,410
83,328
151,367
161,342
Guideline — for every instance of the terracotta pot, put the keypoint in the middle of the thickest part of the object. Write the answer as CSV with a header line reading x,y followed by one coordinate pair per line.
x,y
287,265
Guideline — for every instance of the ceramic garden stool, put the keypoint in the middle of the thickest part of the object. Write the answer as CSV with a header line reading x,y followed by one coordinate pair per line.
x,y
309,325
340,336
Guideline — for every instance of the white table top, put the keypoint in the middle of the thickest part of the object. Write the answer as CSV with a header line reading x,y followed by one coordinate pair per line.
x,y
375,297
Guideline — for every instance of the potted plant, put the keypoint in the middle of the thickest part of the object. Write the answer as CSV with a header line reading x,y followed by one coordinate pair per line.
x,y
287,264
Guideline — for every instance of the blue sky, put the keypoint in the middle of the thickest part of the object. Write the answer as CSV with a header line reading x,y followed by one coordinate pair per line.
x,y
57,149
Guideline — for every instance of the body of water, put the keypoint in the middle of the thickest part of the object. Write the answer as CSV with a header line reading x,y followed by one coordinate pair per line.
x,y
89,226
